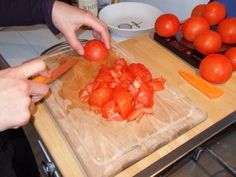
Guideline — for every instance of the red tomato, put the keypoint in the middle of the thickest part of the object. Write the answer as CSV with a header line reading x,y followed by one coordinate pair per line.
x,y
198,10
139,113
145,96
124,101
108,109
231,54
126,76
104,75
139,70
157,84
216,68
207,42
122,91
100,96
167,25
194,26
95,50
227,30
214,12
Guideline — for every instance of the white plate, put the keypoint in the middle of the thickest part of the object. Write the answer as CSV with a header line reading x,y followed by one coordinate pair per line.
x,y
129,19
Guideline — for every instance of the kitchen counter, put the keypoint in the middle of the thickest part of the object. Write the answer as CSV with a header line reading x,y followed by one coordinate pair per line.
x,y
159,59
29,43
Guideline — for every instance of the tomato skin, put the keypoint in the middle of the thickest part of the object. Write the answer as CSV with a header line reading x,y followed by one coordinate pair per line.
x,y
198,10
208,42
227,30
231,54
104,75
139,70
145,95
100,96
157,84
95,50
167,25
109,109
123,100
214,12
216,68
122,91
194,26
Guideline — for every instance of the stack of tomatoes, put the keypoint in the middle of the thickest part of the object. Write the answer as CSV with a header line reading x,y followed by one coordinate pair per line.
x,y
207,29
122,91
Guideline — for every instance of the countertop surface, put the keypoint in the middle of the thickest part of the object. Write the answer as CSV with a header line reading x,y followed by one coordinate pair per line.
x,y
146,51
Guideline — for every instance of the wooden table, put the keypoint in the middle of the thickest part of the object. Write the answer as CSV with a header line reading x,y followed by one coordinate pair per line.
x,y
154,56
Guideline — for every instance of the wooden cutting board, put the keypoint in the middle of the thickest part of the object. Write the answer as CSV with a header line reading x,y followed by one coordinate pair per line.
x,y
105,148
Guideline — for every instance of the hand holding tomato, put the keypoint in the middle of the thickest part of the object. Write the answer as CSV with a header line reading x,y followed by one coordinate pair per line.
x,y
95,50
167,25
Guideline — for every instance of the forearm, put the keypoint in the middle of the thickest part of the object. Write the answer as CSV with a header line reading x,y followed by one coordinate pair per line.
x,y
26,12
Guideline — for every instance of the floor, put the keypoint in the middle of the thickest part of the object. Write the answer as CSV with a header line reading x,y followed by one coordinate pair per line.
x,y
206,165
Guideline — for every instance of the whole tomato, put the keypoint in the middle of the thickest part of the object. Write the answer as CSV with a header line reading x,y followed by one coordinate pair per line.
x,y
227,30
214,12
198,10
207,42
216,68
194,26
231,54
167,25
95,50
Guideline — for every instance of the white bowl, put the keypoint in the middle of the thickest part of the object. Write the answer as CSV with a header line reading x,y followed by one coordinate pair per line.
x,y
129,19
181,8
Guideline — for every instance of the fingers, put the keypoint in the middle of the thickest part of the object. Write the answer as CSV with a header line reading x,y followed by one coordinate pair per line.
x,y
100,28
69,19
73,41
37,90
28,69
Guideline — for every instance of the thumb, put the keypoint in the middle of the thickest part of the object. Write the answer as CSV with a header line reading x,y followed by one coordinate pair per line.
x,y
29,68
75,44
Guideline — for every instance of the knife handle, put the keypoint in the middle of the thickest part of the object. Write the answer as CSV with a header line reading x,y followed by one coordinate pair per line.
x,y
205,87
42,79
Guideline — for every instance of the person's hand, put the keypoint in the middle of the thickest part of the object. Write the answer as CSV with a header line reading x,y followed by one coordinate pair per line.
x,y
69,19
18,94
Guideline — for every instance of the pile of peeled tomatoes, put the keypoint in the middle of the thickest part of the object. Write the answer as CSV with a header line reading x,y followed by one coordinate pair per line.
x,y
208,29
122,91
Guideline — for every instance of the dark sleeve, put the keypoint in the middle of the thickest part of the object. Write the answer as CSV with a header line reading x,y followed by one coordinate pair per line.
x,y
27,12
